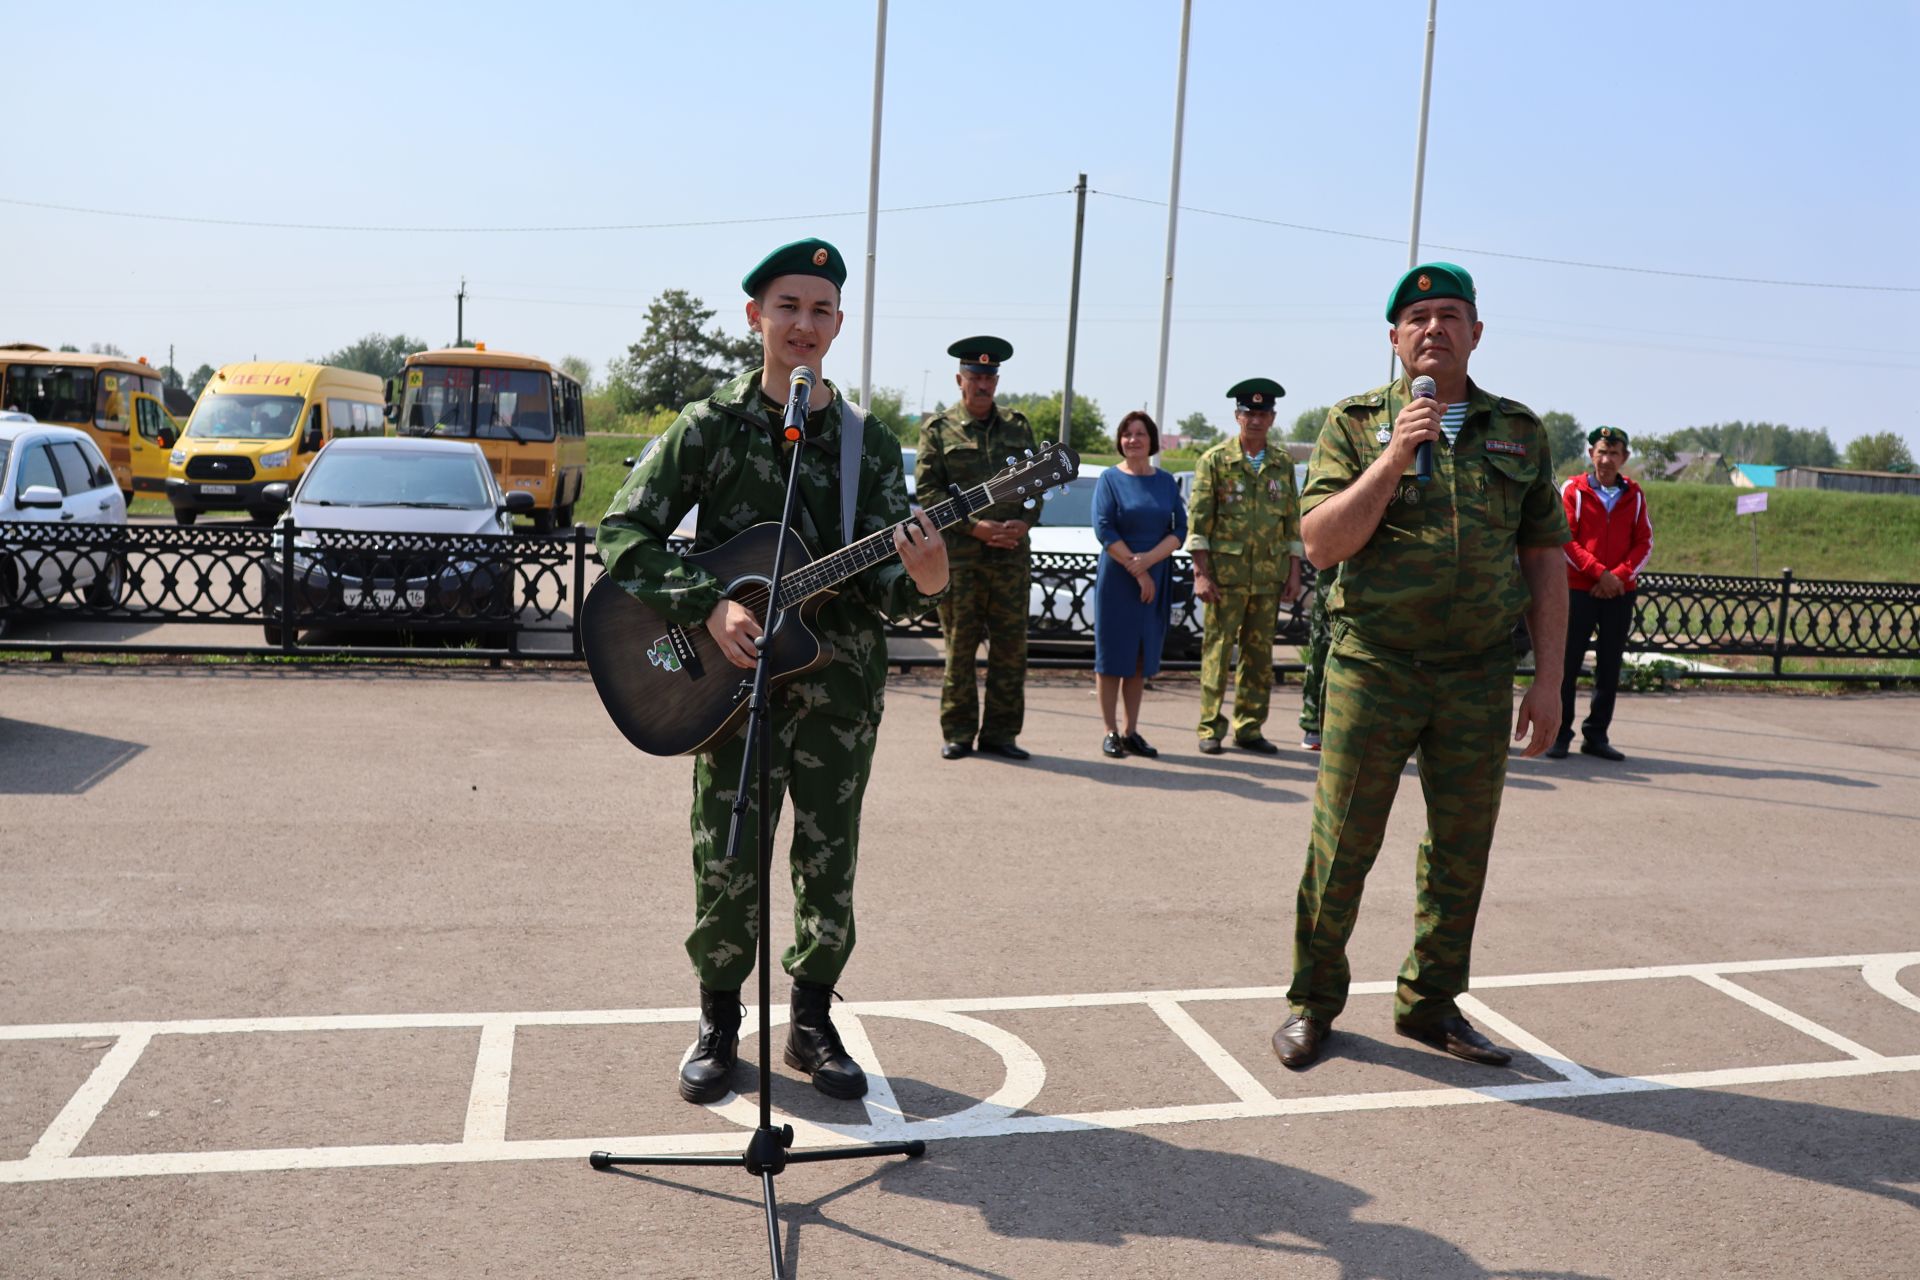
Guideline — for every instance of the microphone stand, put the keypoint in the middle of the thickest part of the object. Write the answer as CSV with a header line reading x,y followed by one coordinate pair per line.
x,y
766,1155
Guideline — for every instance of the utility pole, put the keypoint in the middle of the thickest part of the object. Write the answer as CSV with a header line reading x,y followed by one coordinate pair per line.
x,y
1073,308
460,314
1173,212
1420,147
873,205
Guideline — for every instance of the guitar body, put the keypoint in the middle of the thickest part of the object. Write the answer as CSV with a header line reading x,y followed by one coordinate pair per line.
x,y
667,687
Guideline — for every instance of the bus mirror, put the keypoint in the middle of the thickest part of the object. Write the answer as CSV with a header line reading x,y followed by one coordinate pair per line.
x,y
277,491
519,502
388,390
165,438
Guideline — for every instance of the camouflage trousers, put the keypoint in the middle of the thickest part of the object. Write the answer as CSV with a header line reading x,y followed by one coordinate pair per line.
x,y
1381,707
822,761
1246,619
1319,639
986,600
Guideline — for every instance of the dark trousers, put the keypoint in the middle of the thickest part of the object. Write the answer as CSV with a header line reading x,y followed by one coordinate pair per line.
x,y
1613,619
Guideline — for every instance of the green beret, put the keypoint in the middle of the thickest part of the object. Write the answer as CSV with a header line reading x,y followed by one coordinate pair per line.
x,y
983,354
1612,435
801,258
1256,393
1431,280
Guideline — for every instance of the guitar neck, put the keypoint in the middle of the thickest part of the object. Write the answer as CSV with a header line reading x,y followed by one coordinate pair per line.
x,y
830,571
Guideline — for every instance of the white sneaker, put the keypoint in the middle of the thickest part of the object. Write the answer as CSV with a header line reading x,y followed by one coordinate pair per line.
x,y
1310,740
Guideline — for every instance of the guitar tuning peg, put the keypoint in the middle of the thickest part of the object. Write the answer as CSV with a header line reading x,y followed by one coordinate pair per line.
x,y
1029,453
1011,459
1029,504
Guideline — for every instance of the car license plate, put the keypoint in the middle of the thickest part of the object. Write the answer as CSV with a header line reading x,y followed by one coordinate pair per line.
x,y
217,488
381,598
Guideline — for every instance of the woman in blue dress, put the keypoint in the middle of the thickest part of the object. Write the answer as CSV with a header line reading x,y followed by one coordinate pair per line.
x,y
1140,521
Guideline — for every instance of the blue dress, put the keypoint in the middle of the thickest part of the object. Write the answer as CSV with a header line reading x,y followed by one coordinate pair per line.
x,y
1140,511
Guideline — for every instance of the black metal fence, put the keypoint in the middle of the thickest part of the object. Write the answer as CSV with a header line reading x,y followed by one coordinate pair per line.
x,y
379,594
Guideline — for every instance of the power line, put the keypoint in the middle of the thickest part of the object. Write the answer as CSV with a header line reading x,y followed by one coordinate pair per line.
x,y
628,226
1523,257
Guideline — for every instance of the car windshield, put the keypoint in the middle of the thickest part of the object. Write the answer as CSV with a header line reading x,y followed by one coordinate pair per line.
x,y
245,417
464,403
396,479
51,392
1071,506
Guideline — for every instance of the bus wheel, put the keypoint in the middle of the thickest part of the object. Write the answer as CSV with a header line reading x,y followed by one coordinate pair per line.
x,y
184,518
563,517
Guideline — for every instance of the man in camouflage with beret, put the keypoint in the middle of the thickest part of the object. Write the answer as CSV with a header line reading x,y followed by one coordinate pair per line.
x,y
1432,578
989,558
728,454
1243,532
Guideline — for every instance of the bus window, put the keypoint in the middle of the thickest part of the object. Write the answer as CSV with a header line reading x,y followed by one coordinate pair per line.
x,y
151,422
439,401
116,401
513,404
51,393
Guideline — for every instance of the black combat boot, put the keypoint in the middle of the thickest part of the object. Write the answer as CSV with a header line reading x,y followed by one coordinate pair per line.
x,y
703,1078
813,1046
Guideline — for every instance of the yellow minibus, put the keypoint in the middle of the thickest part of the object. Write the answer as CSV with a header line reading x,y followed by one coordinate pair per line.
x,y
527,416
114,399
260,423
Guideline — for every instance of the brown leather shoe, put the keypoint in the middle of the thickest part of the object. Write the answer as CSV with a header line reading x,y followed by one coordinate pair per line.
x,y
1455,1035
1297,1042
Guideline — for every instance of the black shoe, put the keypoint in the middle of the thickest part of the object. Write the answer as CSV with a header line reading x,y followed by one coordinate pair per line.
x,y
1005,750
955,750
1110,746
1210,746
1558,751
1140,746
703,1077
1603,749
1455,1035
1259,746
1297,1042
813,1046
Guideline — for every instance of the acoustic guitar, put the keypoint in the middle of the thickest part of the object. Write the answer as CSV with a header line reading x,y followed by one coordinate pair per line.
x,y
667,686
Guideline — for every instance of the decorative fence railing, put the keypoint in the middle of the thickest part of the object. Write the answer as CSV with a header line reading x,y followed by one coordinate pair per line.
x,y
382,594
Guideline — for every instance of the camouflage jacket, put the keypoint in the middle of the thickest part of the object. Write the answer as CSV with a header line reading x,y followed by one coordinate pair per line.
x,y
956,449
1440,575
721,453
1247,521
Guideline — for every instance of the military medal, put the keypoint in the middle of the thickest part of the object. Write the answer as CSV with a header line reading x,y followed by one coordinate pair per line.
x,y
1383,436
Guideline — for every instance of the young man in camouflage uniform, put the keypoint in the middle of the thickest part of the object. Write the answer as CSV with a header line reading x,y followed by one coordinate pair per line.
x,y
727,454
1243,532
1432,577
1313,681
989,558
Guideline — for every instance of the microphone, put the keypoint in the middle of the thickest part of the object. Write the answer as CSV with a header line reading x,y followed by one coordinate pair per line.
x,y
797,390
1423,389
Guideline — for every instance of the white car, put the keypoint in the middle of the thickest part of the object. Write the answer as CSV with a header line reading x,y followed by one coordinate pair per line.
x,y
55,476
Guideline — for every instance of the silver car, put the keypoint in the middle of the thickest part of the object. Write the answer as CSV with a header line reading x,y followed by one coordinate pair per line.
x,y
55,477
359,557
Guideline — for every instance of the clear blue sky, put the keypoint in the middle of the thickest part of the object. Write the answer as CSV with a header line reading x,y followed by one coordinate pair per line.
x,y
1772,140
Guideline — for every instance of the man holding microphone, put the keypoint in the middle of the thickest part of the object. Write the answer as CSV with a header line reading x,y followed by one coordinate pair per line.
x,y
1441,513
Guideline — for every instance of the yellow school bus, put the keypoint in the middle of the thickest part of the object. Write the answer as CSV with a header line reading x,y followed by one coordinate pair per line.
x,y
114,399
259,423
527,417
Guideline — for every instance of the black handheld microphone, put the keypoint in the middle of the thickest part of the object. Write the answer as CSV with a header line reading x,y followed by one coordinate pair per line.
x,y
1423,389
797,390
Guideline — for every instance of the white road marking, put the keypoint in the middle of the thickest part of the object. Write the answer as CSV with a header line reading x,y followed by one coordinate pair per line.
x,y
52,1156
492,1070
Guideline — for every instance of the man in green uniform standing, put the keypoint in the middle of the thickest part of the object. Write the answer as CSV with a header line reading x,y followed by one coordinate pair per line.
x,y
728,454
1432,577
1243,532
988,558
1313,682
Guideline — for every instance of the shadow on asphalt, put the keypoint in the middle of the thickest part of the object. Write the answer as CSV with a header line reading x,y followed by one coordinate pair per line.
x,y
1262,781
1646,769
41,760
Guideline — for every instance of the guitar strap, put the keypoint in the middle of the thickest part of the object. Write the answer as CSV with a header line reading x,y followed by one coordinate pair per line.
x,y
853,427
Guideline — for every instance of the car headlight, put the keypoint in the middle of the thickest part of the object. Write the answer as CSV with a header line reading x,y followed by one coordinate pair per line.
x,y
268,461
178,457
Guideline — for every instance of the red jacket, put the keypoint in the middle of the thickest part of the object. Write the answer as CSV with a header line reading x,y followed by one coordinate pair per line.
x,y
1618,541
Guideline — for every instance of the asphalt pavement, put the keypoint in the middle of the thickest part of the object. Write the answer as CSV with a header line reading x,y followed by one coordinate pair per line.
x,y
344,972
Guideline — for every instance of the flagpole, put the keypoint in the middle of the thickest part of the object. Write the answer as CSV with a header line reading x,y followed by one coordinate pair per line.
x,y
1420,147
1173,214
873,207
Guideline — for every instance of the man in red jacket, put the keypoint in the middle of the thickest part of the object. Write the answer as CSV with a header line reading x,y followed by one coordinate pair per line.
x,y
1612,539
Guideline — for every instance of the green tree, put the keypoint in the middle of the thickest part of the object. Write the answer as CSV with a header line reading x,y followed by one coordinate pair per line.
x,y
1306,426
890,406
66,346
198,382
678,359
375,353
580,369
105,349
1197,431
170,376
1565,440
1089,424
1882,451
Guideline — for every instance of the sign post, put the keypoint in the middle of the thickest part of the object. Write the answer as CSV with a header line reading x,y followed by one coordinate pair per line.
x,y
1752,504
